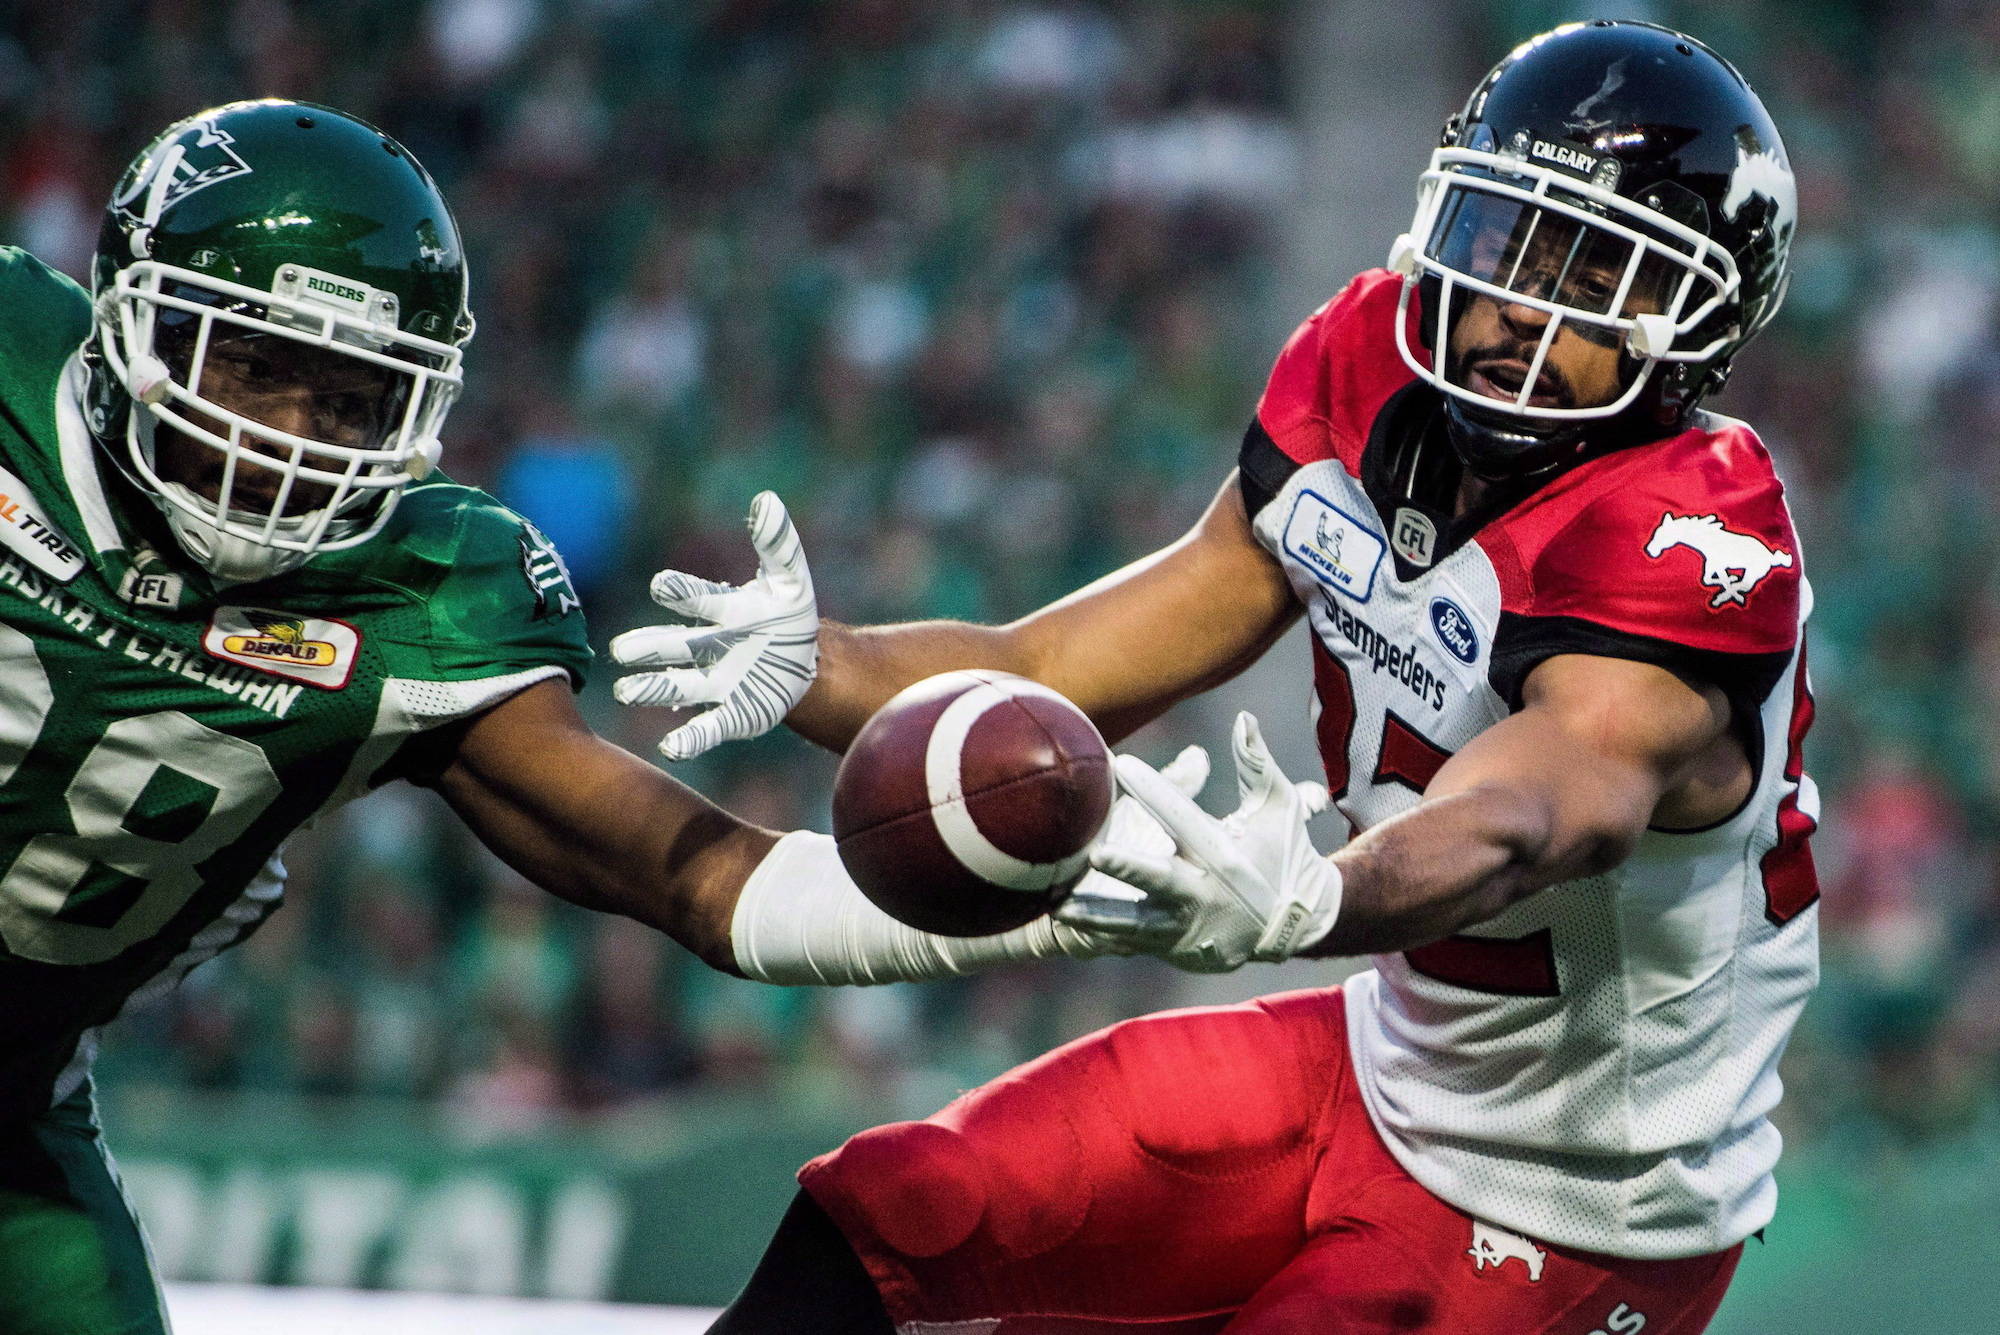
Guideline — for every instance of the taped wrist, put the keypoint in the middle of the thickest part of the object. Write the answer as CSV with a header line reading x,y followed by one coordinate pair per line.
x,y
1308,918
801,920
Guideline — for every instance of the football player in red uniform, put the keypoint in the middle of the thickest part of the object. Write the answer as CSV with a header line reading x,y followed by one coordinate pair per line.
x,y
1556,615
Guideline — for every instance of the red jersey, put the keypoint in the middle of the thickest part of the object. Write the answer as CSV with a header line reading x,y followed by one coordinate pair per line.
x,y
1595,1065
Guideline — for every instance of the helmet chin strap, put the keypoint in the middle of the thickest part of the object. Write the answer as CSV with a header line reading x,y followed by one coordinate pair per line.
x,y
229,558
1497,449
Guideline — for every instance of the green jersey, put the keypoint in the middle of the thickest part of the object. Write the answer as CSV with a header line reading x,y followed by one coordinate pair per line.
x,y
160,737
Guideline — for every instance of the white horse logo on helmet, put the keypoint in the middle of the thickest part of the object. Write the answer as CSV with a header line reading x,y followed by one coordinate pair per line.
x,y
1732,563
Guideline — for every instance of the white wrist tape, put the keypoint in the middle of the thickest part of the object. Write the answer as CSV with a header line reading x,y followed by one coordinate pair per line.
x,y
800,919
1315,896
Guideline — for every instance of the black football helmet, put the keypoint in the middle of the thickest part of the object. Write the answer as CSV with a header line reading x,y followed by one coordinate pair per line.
x,y
1623,180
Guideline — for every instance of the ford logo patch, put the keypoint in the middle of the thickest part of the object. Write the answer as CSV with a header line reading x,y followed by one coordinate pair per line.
x,y
1454,630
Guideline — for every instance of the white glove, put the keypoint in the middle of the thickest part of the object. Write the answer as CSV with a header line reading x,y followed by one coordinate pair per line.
x,y
1117,917
1248,886
752,654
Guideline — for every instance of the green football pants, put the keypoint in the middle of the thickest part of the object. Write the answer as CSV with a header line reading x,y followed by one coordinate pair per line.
x,y
72,1258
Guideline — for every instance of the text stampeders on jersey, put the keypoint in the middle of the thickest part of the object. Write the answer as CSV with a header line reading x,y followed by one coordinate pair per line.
x,y
1594,1066
159,740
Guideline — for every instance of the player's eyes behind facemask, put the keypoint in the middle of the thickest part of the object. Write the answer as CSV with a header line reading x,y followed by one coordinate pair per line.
x,y
316,390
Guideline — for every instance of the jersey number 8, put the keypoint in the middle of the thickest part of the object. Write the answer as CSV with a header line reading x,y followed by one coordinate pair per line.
x,y
143,826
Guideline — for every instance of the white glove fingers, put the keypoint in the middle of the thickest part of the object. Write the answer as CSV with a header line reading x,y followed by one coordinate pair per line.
x,y
668,688
1195,833
1312,796
692,596
669,646
1168,882
752,652
1132,922
1256,773
1159,796
776,539
695,736
1187,771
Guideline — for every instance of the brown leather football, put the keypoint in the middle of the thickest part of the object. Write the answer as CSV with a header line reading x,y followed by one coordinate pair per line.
x,y
966,804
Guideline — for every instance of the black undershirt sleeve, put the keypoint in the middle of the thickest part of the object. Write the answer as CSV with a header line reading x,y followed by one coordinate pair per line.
x,y
423,758
1523,643
810,1280
1262,469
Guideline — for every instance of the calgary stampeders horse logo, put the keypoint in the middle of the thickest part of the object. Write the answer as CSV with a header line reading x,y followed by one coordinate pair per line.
x,y
1732,563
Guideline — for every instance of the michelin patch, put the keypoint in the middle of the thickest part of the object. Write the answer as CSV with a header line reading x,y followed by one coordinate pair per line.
x,y
313,650
1339,550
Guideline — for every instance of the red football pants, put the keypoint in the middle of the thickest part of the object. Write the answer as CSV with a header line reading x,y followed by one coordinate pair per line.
x,y
1201,1171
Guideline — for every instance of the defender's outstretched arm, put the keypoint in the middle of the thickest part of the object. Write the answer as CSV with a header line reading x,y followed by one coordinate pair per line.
x,y
1601,749
1563,789
596,825
1124,648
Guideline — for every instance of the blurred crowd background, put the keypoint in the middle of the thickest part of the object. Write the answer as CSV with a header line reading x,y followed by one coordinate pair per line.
x,y
987,290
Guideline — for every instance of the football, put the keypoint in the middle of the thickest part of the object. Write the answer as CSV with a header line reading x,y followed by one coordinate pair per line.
x,y
965,806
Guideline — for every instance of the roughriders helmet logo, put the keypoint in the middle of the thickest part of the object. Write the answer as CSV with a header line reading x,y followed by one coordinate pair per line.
x,y
1493,1246
204,158
1732,563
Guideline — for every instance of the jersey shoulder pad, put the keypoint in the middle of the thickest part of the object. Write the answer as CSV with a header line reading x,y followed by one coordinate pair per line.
x,y
1335,373
495,594
47,319
1686,540
47,312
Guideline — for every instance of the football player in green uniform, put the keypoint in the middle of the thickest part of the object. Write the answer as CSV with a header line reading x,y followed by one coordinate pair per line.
x,y
234,593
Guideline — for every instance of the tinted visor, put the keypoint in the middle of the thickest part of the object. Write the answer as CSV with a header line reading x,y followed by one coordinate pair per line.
x,y
1548,256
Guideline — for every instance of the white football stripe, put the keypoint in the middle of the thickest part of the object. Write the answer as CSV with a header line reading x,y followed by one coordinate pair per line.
x,y
944,776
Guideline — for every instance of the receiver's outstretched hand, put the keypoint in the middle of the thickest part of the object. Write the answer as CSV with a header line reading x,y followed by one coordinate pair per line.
x,y
1247,886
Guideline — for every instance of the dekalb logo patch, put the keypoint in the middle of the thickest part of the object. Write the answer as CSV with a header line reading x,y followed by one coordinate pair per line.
x,y
1455,630
313,650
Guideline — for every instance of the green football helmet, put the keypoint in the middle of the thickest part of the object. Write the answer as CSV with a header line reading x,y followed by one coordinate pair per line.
x,y
280,317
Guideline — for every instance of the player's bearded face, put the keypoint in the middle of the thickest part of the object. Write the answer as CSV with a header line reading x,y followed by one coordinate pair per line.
x,y
1493,343
294,388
